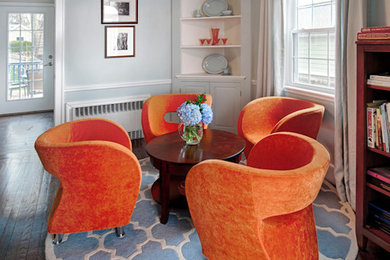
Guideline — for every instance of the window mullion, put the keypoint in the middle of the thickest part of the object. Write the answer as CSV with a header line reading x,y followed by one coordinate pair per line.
x,y
328,63
20,55
309,58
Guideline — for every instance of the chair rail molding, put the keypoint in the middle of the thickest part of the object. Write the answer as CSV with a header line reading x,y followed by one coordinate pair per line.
x,y
26,4
146,83
59,109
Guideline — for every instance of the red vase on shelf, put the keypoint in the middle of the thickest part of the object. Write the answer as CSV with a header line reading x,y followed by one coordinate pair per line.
x,y
214,33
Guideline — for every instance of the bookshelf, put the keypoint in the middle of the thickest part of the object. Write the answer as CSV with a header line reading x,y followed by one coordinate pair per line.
x,y
373,57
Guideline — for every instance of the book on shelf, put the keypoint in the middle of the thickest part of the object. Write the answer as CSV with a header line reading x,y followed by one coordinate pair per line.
x,y
381,83
378,125
378,183
379,213
385,134
375,29
384,170
381,77
371,111
379,176
383,227
385,35
380,207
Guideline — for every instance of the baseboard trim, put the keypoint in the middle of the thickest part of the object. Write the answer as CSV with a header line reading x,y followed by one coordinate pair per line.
x,y
118,85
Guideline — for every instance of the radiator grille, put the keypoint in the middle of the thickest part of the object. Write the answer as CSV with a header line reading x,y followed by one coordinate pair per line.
x,y
125,111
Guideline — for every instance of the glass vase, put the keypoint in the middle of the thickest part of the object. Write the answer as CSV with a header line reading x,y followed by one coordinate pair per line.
x,y
191,134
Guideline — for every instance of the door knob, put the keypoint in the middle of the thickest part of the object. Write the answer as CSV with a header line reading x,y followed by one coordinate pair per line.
x,y
48,64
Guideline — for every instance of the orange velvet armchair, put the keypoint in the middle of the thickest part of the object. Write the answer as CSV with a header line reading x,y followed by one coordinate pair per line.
x,y
100,176
262,210
156,107
267,115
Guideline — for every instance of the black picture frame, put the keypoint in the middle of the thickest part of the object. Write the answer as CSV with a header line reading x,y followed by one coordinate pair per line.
x,y
119,41
119,11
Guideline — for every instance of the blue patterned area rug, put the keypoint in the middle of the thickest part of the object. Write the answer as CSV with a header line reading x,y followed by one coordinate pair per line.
x,y
146,238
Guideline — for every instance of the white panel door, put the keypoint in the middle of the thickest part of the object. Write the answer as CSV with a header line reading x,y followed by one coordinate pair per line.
x,y
226,105
26,55
194,87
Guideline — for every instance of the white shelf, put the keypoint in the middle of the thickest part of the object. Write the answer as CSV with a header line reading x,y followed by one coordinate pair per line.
x,y
230,17
208,76
209,46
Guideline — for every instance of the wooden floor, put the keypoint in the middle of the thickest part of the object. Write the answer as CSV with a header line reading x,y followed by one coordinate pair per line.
x,y
26,191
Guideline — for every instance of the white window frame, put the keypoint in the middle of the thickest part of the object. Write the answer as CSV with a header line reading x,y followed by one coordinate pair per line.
x,y
291,20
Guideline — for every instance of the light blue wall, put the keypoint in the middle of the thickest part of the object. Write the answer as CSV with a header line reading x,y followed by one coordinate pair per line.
x,y
85,65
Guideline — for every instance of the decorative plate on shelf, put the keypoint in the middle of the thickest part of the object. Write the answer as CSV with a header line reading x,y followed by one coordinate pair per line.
x,y
214,7
215,64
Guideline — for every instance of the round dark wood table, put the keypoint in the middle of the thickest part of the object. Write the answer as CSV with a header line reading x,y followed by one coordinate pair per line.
x,y
173,158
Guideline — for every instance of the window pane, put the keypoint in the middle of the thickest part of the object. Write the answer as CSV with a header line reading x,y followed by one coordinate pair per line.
x,y
14,37
319,67
332,46
13,22
332,73
26,54
38,21
26,38
332,68
322,16
319,46
318,80
38,39
38,54
304,18
13,73
320,1
303,45
304,2
26,21
302,73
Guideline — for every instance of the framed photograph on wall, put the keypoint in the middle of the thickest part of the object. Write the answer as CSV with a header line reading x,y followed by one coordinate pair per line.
x,y
119,11
119,41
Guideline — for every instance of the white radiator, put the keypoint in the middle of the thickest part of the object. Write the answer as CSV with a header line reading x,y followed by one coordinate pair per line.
x,y
126,111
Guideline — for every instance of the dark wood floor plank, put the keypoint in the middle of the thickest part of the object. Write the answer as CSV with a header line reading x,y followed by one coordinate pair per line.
x,y
23,231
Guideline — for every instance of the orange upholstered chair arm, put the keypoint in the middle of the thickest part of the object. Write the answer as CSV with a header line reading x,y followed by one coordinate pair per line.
x,y
258,118
306,121
220,190
106,178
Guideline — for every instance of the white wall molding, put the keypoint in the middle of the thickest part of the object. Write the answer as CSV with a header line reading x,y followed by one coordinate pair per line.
x,y
118,85
59,113
309,94
24,4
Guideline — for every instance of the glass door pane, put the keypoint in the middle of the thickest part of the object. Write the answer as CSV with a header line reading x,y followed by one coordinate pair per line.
x,y
25,55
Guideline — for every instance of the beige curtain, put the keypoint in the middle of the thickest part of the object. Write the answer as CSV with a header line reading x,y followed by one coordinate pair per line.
x,y
351,18
271,48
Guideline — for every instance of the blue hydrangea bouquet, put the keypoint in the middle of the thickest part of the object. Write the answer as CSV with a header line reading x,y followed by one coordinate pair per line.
x,y
193,114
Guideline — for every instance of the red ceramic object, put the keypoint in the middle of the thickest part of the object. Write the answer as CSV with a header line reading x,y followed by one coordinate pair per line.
x,y
214,33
